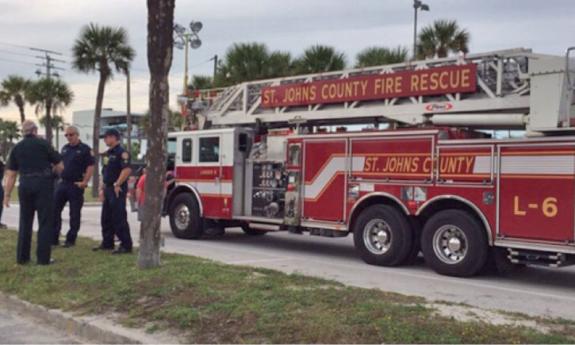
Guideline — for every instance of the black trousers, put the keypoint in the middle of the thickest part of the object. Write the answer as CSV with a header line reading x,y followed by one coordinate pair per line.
x,y
36,195
68,192
115,219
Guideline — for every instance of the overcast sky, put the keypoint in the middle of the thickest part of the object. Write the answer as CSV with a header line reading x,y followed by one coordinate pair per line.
x,y
289,25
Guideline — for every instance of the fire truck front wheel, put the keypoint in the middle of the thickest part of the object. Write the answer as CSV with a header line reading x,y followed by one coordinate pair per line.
x,y
185,220
454,243
383,236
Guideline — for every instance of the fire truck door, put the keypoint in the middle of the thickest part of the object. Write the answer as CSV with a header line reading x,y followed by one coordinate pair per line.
x,y
324,168
215,167
536,192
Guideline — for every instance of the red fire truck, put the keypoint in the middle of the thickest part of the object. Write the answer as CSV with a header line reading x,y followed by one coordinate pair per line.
x,y
281,154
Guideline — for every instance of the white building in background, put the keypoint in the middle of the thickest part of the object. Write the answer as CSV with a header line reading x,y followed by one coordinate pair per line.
x,y
84,120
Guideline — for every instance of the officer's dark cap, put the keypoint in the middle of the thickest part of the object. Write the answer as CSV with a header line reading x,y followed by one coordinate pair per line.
x,y
112,132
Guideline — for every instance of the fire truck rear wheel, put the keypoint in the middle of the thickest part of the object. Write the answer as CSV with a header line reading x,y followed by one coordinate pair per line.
x,y
383,236
454,243
185,220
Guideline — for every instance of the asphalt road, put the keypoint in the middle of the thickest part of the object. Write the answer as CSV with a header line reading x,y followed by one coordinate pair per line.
x,y
533,290
15,329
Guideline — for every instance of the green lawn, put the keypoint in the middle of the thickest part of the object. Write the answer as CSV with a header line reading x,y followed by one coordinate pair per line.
x,y
87,195
209,302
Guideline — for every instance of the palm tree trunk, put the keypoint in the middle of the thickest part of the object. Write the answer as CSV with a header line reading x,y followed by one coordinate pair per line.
x,y
22,115
20,104
160,42
49,122
96,134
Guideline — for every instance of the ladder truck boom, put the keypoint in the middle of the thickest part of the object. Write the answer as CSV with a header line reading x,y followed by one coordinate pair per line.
x,y
511,89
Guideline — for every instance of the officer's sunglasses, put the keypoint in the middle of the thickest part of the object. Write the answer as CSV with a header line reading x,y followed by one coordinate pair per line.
x,y
67,135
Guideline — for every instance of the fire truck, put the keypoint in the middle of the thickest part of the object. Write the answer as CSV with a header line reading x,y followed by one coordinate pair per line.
x,y
282,155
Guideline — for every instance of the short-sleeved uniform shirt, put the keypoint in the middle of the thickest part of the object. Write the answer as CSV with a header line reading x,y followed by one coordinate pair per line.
x,y
76,158
114,161
33,156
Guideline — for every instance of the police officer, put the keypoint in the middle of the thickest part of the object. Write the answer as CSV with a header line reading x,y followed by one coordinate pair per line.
x,y
36,161
115,172
78,169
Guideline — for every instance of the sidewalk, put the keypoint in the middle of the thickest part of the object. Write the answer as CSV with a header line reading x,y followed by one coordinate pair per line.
x,y
34,324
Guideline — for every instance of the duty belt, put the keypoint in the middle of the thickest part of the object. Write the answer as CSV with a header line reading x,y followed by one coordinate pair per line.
x,y
45,173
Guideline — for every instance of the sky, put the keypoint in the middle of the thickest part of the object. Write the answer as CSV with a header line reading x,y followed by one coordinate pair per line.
x,y
350,26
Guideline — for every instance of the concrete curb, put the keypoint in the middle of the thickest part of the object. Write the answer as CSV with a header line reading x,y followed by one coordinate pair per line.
x,y
89,329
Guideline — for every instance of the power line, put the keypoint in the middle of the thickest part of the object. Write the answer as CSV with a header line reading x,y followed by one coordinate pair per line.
x,y
18,62
16,53
13,45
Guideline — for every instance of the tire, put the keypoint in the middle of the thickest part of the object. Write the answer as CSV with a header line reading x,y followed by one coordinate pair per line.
x,y
466,255
185,220
383,223
253,232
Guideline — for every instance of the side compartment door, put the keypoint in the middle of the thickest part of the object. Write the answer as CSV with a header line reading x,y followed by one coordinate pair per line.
x,y
324,179
536,192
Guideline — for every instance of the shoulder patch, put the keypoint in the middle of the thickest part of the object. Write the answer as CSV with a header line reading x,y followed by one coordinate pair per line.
x,y
92,153
125,155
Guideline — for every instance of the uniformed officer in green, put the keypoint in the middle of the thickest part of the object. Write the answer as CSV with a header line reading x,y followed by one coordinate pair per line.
x,y
36,161
115,172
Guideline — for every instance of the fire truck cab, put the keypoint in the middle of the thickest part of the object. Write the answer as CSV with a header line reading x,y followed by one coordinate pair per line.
x,y
429,184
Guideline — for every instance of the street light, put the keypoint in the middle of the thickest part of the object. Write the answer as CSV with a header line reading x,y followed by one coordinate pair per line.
x,y
417,5
184,39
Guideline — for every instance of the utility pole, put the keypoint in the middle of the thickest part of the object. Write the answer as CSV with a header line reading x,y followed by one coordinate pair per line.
x,y
215,58
49,66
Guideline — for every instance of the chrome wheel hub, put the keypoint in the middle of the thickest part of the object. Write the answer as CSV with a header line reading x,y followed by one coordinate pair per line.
x,y
377,236
182,217
450,244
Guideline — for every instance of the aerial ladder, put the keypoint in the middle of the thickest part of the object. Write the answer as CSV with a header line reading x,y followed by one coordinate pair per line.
x,y
515,89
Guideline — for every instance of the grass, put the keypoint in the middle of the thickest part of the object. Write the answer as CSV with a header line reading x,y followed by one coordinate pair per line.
x,y
87,195
208,302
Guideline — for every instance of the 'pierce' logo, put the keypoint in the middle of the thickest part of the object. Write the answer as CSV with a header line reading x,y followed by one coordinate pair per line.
x,y
439,107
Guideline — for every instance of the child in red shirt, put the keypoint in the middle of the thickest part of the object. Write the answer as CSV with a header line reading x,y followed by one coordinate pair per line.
x,y
140,194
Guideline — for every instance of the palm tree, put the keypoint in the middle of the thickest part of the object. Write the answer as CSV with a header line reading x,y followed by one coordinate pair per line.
x,y
103,50
280,64
318,59
252,61
160,45
376,56
49,96
201,82
56,123
9,132
441,38
14,89
245,62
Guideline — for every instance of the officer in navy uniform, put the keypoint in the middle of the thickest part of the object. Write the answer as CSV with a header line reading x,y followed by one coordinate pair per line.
x,y
78,169
36,161
115,172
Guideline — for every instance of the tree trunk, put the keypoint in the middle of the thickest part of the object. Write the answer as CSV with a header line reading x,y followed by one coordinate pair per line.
x,y
160,42
96,134
49,121
20,105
